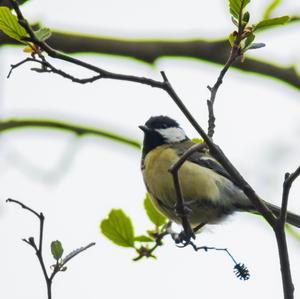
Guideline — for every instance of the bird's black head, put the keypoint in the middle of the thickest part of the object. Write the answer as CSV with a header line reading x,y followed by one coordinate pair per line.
x,y
161,130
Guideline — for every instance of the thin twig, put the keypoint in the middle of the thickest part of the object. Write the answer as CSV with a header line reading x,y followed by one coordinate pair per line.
x,y
31,242
234,54
46,67
180,207
158,237
24,207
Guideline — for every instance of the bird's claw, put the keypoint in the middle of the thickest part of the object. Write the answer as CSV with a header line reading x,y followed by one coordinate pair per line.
x,y
182,239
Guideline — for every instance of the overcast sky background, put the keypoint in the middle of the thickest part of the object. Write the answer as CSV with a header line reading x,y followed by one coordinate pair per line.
x,y
76,182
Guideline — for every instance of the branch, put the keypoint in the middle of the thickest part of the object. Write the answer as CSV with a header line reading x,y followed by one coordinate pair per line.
x,y
60,263
279,229
46,67
180,208
21,123
234,54
150,51
31,242
24,207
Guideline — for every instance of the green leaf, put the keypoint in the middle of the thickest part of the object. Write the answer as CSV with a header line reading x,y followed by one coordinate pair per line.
x,y
118,228
143,239
10,26
43,33
236,7
156,217
57,250
270,8
248,41
271,22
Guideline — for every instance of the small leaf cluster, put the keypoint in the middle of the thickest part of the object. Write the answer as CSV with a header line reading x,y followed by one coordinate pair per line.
x,y
243,37
9,25
118,228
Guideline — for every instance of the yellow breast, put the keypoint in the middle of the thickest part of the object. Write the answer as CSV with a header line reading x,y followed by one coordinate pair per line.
x,y
197,182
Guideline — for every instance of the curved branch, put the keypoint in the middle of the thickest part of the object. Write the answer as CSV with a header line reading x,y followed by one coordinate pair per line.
x,y
21,123
151,50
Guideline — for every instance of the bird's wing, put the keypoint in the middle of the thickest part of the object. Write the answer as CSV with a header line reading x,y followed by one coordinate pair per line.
x,y
202,158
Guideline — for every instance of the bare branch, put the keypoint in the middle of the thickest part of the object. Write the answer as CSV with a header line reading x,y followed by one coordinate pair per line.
x,y
234,54
46,67
31,242
24,207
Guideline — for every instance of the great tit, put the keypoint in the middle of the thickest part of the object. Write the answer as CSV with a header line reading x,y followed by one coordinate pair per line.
x,y
208,191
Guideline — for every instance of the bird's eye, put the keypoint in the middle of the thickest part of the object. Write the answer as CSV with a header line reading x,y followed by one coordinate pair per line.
x,y
164,126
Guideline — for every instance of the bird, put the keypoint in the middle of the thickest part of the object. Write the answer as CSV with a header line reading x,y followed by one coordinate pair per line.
x,y
209,193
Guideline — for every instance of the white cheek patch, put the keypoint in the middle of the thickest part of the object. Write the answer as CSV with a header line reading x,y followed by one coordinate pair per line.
x,y
172,135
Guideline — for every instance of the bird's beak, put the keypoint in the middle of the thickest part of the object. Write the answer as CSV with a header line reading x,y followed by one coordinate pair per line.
x,y
145,129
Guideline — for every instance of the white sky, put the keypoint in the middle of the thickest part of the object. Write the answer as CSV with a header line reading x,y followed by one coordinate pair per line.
x,y
76,182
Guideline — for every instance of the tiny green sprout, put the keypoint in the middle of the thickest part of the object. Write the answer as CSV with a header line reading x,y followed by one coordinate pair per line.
x,y
57,250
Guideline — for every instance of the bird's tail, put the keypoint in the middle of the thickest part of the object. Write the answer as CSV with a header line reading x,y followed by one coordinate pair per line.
x,y
291,218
